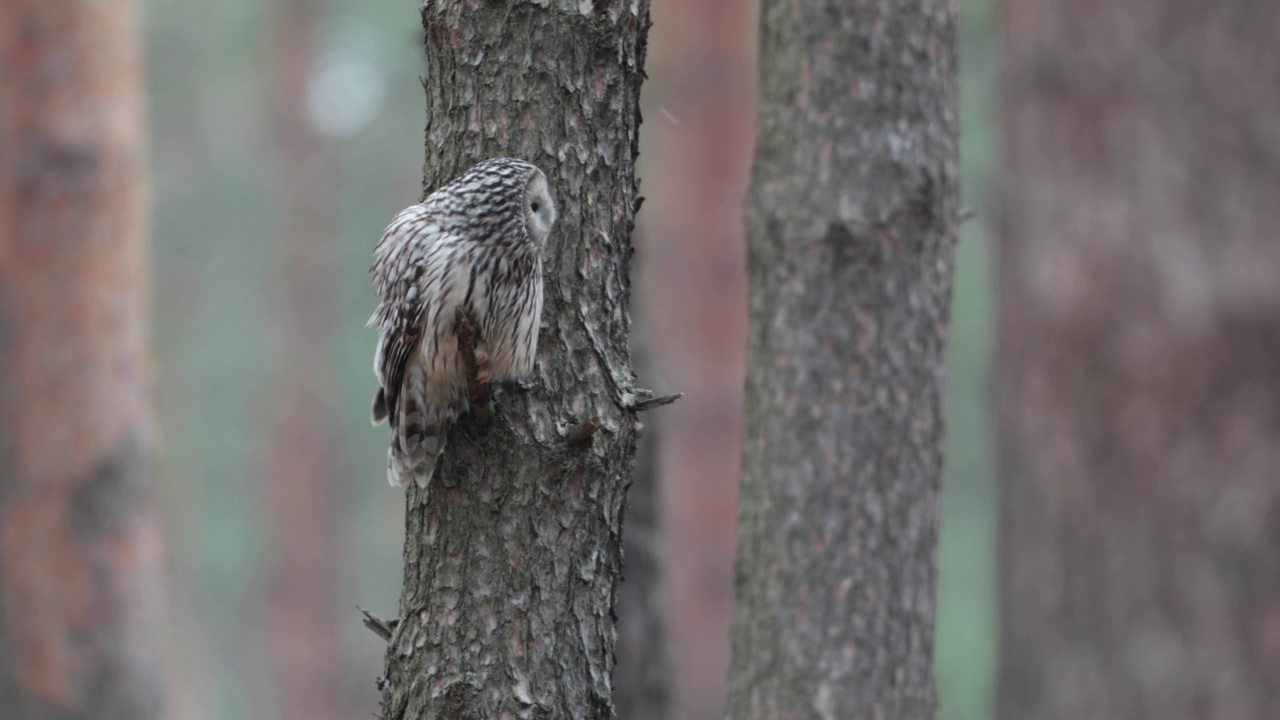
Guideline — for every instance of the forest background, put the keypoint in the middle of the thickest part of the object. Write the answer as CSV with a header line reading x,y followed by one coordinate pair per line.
x,y
285,134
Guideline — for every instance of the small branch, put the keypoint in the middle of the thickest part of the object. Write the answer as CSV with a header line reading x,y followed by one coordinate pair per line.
x,y
580,434
477,368
380,627
966,215
652,403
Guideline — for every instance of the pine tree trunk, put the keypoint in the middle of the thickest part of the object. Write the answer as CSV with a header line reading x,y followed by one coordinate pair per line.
x,y
81,621
512,562
851,231
1139,344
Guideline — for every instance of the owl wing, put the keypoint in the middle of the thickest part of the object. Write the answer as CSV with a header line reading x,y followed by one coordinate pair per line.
x,y
400,263
394,349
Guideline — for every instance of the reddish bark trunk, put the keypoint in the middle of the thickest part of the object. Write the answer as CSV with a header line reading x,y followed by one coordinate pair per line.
x,y
80,554
303,619
701,111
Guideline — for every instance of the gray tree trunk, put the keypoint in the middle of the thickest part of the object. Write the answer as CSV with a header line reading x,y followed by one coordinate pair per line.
x,y
81,588
1139,352
851,230
512,564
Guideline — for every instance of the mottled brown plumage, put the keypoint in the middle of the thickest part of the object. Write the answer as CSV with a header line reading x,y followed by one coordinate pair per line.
x,y
476,243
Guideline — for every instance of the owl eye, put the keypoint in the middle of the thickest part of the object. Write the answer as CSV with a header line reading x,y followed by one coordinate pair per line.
x,y
535,206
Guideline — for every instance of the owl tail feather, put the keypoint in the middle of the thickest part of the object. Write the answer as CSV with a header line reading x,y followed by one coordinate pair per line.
x,y
416,443
399,471
379,410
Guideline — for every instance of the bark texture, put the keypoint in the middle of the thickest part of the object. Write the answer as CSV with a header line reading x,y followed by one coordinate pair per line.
x,y
81,626
851,233
512,563
301,619
1139,341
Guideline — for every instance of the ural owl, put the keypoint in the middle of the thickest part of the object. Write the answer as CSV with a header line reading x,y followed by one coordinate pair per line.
x,y
476,243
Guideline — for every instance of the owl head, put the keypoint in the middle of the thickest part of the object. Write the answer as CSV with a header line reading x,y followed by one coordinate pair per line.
x,y
500,200
539,208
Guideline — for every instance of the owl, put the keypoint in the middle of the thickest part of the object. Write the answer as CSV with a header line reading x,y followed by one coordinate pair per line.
x,y
476,243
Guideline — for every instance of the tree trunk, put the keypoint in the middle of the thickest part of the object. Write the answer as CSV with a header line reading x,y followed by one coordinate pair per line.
x,y
1139,343
81,625
302,619
851,231
512,562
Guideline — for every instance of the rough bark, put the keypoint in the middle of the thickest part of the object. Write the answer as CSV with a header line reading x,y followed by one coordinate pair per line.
x,y
1139,338
851,231
301,615
694,285
80,557
512,562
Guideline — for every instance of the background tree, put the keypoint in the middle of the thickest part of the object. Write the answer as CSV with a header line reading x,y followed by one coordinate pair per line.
x,y
851,228
691,277
512,563
301,620
1138,346
80,553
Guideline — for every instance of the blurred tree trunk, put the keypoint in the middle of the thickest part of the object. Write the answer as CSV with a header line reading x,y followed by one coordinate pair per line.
x,y
693,282
302,621
642,680
512,562
81,621
851,232
1139,348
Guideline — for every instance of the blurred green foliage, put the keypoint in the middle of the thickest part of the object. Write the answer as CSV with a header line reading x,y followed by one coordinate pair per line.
x,y
967,603
219,316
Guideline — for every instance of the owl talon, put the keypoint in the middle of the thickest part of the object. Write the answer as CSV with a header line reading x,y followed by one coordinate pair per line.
x,y
477,364
580,434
